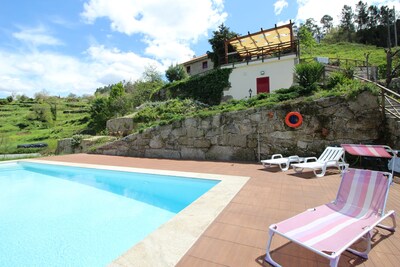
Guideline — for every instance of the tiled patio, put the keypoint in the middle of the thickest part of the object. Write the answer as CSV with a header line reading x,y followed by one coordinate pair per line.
x,y
238,236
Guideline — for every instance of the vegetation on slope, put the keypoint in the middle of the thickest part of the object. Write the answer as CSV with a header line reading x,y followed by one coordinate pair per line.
x,y
161,113
32,121
344,50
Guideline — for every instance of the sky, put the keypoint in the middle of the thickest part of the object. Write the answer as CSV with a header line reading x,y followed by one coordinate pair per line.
x,y
77,46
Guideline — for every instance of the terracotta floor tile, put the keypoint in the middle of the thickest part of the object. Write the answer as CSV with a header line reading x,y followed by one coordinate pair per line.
x,y
238,236
196,262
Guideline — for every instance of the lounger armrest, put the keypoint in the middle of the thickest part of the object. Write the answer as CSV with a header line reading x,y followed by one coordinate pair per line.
x,y
331,161
310,159
295,157
275,156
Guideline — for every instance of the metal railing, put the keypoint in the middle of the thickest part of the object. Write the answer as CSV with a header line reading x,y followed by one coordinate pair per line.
x,y
390,100
339,62
262,53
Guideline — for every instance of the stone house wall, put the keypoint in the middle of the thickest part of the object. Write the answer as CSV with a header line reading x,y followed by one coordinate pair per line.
x,y
257,133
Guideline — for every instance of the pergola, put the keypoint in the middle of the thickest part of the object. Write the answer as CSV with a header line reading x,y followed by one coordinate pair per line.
x,y
271,42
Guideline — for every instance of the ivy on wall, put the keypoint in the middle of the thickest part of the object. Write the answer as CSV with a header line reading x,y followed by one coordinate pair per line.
x,y
207,88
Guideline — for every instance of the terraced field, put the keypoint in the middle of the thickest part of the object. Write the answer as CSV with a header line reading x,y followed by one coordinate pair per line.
x,y
19,124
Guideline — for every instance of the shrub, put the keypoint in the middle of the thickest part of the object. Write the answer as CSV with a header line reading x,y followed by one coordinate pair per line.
x,y
76,140
349,72
352,88
170,110
41,112
143,91
207,88
335,79
99,114
382,71
308,75
176,73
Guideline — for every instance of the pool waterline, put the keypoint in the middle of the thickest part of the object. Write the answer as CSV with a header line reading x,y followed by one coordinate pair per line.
x,y
168,244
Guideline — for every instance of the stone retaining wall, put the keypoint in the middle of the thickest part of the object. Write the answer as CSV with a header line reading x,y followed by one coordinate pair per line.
x,y
120,126
65,146
250,134
393,133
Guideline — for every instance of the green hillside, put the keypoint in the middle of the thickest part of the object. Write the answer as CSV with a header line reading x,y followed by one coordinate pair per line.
x,y
343,50
49,119
18,124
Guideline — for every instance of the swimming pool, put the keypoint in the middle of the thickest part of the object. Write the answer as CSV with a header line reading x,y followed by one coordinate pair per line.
x,y
53,215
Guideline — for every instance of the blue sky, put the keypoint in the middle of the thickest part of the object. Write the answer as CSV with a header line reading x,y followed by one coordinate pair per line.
x,y
76,46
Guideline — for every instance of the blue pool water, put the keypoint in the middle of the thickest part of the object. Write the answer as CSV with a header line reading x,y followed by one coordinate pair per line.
x,y
54,215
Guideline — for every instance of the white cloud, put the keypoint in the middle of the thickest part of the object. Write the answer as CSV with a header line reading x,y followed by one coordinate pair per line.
x,y
279,6
316,9
27,73
112,65
284,22
36,37
167,26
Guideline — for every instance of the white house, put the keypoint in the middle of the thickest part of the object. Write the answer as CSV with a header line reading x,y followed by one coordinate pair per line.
x,y
261,62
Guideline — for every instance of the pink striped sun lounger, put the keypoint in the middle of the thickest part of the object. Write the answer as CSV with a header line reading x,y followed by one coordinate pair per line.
x,y
371,151
330,229
368,150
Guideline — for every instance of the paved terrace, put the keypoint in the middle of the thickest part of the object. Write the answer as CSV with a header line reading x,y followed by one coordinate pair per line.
x,y
238,236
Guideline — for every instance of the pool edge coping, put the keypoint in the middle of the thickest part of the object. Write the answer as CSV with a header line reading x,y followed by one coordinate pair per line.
x,y
169,243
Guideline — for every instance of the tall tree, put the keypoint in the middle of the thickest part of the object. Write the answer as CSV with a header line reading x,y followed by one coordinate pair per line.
x,y
386,16
373,17
307,40
151,74
392,58
217,43
327,24
346,22
99,113
117,90
312,26
176,73
361,17
117,102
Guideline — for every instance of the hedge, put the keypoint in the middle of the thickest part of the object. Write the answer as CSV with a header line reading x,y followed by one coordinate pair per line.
x,y
207,88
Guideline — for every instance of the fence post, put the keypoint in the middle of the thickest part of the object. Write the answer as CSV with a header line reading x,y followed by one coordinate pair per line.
x,y
383,102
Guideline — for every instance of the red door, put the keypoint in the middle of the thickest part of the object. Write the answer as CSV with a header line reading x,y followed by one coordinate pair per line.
x,y
262,85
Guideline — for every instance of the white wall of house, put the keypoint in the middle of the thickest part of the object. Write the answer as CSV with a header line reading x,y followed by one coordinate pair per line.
x,y
244,76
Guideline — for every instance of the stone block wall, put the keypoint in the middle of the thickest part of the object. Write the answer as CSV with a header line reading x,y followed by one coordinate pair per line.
x,y
65,146
120,126
257,133
393,133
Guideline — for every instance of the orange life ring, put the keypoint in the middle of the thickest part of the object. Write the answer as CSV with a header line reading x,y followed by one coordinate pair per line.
x,y
293,119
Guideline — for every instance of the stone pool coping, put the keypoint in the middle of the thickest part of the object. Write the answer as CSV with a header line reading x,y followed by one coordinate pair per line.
x,y
169,243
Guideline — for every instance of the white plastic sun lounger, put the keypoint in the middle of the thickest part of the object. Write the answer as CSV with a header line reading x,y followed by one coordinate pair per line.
x,y
330,229
282,162
331,157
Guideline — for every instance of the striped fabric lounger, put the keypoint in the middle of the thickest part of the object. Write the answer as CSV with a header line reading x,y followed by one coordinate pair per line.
x,y
380,151
330,229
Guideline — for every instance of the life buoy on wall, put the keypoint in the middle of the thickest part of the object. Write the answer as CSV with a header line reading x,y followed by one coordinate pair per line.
x,y
293,119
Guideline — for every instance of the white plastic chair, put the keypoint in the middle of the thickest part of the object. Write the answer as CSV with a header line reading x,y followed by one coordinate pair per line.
x,y
282,162
331,157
